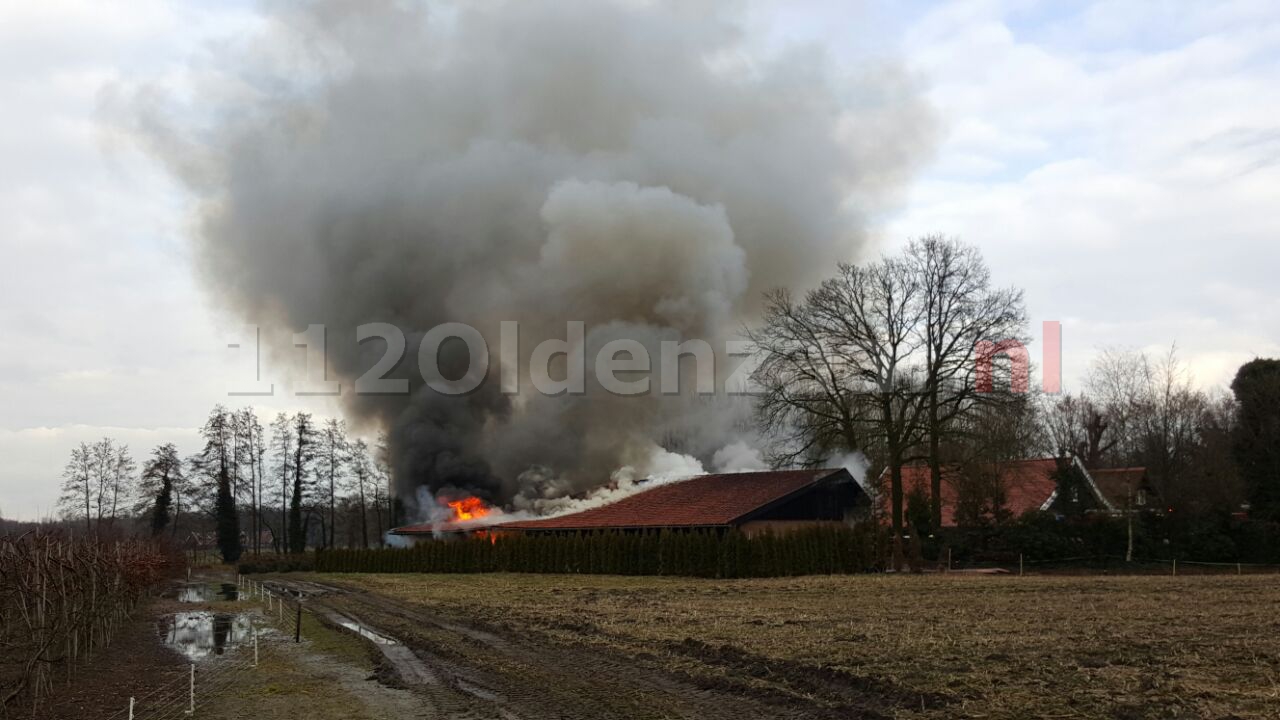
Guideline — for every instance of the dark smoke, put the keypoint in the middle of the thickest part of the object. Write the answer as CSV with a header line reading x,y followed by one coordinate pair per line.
x,y
633,165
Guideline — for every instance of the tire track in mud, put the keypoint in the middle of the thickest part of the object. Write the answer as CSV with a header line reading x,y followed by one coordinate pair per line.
x,y
477,673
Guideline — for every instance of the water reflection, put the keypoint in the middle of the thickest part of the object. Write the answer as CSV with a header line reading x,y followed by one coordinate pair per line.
x,y
203,593
368,634
203,634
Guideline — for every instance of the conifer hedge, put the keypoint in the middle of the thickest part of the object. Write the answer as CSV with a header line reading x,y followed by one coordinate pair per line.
x,y
727,554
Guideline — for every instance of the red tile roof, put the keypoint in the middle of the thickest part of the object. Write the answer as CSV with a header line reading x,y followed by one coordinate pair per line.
x,y
1027,484
701,501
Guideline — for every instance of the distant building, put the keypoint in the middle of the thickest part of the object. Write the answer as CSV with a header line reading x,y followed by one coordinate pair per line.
x,y
1127,488
996,491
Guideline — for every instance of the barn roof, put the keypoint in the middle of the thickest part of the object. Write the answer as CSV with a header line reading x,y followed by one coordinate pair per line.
x,y
701,501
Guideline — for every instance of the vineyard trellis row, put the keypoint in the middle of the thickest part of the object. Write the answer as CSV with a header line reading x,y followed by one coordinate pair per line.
x,y
61,599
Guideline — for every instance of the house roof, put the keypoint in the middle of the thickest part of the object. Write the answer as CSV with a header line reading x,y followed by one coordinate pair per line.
x,y
1028,485
1119,483
705,500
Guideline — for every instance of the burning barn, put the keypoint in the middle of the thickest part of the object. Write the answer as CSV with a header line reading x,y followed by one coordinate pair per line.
x,y
753,502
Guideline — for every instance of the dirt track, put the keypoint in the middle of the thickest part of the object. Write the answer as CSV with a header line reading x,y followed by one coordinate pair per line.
x,y
462,671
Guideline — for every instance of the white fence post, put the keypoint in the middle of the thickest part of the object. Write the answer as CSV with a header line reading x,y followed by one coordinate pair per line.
x,y
191,702
130,708
255,647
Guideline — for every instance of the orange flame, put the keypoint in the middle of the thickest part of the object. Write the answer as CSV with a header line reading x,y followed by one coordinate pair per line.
x,y
468,508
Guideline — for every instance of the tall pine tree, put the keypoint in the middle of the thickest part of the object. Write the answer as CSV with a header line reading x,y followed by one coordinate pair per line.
x,y
161,476
304,442
214,463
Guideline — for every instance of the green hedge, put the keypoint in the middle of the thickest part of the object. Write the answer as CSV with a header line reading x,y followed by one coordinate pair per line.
x,y
727,554
1040,536
249,564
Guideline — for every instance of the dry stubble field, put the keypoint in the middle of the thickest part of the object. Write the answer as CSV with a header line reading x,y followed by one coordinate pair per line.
x,y
963,646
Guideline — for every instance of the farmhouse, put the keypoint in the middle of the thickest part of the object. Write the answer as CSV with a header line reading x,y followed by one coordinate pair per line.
x,y
1009,489
1127,488
753,502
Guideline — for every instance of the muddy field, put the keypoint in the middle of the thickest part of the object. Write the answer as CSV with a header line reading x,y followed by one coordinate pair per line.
x,y
474,647
902,647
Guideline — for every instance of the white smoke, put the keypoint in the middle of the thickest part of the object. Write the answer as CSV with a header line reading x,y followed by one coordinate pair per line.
x,y
657,466
396,541
738,456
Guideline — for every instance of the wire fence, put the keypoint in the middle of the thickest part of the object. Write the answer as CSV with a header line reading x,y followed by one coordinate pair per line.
x,y
183,696
1112,564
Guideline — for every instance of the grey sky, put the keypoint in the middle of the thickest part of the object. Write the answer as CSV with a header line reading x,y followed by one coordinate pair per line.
x,y
1122,167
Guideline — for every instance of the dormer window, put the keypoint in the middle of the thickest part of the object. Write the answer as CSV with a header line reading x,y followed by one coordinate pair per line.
x,y
1075,494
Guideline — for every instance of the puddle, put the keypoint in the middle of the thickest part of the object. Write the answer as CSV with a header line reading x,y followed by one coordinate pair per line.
x,y
203,634
204,592
368,634
193,594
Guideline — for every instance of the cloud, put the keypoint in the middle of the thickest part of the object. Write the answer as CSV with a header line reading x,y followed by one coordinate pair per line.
x,y
1124,178
103,328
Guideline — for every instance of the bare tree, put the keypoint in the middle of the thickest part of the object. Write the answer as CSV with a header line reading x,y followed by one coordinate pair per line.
x,y
808,399
1154,412
282,442
362,475
332,453
846,367
871,315
96,480
251,449
1075,424
1119,383
1169,420
103,456
78,486
123,473
382,468
961,314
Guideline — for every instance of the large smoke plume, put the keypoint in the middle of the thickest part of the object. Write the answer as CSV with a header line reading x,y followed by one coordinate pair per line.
x,y
639,166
